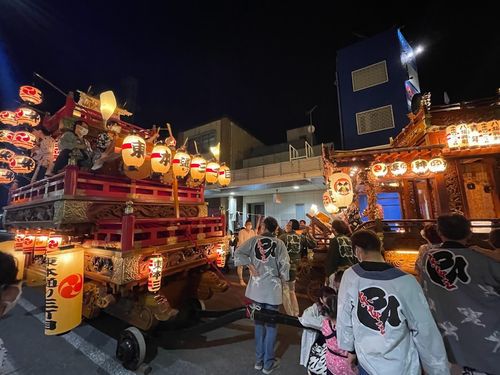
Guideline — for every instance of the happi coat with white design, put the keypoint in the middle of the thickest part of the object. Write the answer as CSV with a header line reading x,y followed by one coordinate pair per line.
x,y
462,287
269,256
384,317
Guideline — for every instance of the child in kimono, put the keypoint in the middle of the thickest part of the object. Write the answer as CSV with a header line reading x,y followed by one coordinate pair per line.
x,y
336,358
312,320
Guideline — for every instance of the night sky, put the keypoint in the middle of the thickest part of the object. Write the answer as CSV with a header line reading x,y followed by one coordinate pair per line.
x,y
262,64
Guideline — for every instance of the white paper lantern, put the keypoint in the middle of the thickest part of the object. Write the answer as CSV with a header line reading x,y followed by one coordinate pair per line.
x,y
198,168
161,157
224,175
398,168
437,165
341,189
379,169
419,166
133,151
181,163
212,175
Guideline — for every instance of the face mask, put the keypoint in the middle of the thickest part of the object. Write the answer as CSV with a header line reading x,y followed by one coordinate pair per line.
x,y
81,131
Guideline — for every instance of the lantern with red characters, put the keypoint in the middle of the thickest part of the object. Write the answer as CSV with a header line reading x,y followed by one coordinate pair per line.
x,y
24,139
6,136
8,118
6,176
155,272
22,164
30,95
27,116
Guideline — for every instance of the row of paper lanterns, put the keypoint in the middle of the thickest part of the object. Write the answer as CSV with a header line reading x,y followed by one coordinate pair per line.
x,y
39,243
418,166
23,139
24,115
182,164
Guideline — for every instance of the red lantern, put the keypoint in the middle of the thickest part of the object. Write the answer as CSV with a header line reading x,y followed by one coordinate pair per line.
x,y
41,241
55,151
8,118
221,256
54,243
24,139
28,243
6,176
30,95
6,155
6,136
22,164
19,240
27,116
155,273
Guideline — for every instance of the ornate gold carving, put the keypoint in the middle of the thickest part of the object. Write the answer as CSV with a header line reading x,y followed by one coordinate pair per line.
x,y
134,268
404,260
70,212
99,211
189,211
43,212
452,182
116,211
202,210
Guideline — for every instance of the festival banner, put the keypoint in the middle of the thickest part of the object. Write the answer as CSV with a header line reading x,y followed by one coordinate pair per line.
x,y
63,291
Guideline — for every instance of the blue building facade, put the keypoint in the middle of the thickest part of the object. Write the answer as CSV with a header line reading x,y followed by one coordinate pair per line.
x,y
376,80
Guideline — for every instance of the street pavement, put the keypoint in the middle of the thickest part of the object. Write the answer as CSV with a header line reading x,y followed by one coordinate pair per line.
x,y
90,348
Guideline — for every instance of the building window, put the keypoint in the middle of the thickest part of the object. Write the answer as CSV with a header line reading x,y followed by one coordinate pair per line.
x,y
375,120
205,141
369,76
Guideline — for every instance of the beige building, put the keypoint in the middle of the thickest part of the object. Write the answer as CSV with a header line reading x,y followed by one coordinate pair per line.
x,y
282,180
228,133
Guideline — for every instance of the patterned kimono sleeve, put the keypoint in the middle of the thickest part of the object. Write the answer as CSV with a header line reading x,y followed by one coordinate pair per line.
x,y
242,256
283,260
345,335
424,331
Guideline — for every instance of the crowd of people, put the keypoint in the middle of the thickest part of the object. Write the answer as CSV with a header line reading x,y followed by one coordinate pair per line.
x,y
371,317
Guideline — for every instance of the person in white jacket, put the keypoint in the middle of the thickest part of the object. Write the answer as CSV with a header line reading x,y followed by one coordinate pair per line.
x,y
267,259
384,317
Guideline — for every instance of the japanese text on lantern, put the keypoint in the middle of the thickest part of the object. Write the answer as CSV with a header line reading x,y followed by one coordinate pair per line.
x,y
155,268
51,305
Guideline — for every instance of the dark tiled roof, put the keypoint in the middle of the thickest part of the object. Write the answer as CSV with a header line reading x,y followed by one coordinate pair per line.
x,y
468,112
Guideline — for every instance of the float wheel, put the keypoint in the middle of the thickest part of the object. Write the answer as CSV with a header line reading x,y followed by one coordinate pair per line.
x,y
131,348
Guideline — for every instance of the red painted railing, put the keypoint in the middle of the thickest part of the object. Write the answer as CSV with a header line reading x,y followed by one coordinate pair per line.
x,y
134,233
82,184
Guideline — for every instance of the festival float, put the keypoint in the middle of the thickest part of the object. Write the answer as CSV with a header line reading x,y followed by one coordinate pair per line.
x,y
131,238
447,159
